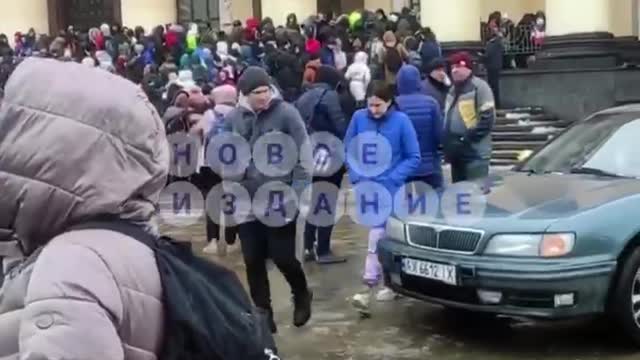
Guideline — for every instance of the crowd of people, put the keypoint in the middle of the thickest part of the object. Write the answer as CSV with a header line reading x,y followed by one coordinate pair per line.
x,y
357,73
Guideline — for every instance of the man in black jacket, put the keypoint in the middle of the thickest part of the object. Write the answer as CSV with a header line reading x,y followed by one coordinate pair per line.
x,y
321,109
493,61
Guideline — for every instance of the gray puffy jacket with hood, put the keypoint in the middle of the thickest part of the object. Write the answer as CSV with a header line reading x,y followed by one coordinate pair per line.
x,y
90,144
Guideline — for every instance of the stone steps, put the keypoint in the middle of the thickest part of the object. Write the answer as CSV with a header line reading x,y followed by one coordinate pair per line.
x,y
520,129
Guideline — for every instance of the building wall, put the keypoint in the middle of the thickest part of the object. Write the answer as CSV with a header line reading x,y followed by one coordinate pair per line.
x,y
22,15
374,5
621,17
514,8
241,10
148,13
279,9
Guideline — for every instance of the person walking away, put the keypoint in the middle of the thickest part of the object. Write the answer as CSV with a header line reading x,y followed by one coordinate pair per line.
x,y
359,77
470,114
68,294
135,65
286,70
320,109
225,99
426,116
493,61
412,45
5,49
437,83
375,48
383,119
292,22
394,56
327,54
347,101
311,70
340,57
430,49
259,111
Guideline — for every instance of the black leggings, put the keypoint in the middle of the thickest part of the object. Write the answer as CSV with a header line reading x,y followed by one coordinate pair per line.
x,y
205,181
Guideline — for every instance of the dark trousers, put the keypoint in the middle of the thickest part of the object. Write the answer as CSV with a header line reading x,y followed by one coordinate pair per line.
x,y
493,78
469,170
261,242
205,180
434,180
322,234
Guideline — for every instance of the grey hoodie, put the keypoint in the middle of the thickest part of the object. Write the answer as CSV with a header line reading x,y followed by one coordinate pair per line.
x,y
279,117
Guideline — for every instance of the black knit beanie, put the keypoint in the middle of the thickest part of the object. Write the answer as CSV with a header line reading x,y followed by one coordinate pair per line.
x,y
252,78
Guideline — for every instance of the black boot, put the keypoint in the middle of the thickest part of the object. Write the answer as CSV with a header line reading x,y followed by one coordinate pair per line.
x,y
302,308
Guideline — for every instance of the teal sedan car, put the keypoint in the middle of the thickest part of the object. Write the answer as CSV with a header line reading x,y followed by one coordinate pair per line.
x,y
559,237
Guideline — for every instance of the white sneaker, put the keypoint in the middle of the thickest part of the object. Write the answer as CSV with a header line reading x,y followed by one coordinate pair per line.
x,y
212,248
385,294
362,303
231,249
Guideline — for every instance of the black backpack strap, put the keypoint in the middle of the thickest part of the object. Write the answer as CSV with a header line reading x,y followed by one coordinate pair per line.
x,y
121,226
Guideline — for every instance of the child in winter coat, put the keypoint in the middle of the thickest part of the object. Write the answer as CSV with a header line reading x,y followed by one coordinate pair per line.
x,y
225,99
359,76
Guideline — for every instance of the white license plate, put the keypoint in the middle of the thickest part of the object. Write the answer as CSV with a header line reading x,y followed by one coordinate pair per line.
x,y
439,272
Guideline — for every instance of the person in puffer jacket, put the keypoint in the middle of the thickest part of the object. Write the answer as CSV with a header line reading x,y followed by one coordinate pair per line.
x,y
320,107
359,76
383,120
470,115
91,145
425,114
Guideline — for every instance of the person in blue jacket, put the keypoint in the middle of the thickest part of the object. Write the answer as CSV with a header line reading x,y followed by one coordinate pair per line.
x,y
424,112
380,119
431,48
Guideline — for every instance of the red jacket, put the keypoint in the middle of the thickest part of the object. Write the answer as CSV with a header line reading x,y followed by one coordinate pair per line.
x,y
172,39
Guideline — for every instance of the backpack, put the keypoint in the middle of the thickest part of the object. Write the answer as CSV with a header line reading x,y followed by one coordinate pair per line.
x,y
208,315
392,59
317,109
177,123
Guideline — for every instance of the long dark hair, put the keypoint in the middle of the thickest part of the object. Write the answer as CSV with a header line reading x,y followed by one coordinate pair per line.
x,y
381,89
429,35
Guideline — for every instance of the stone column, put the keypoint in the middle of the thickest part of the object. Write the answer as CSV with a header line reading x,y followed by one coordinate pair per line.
x,y
569,16
579,37
226,15
453,20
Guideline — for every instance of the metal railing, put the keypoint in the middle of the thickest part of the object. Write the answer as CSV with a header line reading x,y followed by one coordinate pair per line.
x,y
517,40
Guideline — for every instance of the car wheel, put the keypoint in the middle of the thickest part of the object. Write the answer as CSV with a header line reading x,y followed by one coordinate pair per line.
x,y
625,302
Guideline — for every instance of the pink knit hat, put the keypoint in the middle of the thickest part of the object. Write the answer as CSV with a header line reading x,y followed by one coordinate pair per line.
x,y
225,94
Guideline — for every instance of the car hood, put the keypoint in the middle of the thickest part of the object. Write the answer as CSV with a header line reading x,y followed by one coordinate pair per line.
x,y
551,196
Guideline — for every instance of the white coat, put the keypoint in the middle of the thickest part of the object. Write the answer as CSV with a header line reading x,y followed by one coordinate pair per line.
x,y
359,76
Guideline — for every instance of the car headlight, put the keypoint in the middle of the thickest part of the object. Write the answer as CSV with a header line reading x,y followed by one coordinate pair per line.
x,y
395,229
538,245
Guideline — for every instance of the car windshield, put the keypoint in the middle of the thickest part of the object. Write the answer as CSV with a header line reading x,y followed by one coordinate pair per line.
x,y
605,144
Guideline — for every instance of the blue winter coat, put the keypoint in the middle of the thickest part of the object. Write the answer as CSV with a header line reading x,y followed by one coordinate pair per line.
x,y
426,116
405,151
430,50
327,57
